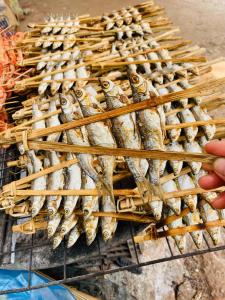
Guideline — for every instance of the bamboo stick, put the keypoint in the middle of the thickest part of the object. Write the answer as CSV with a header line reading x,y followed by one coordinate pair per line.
x,y
179,231
153,154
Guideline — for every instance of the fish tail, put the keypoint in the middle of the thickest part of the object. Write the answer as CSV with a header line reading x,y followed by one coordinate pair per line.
x,y
104,188
145,189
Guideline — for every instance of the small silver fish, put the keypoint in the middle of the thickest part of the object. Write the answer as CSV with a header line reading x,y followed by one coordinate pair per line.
x,y
193,147
74,234
127,134
53,224
53,121
172,203
58,43
78,136
185,182
193,218
55,182
55,85
69,41
90,204
180,240
202,115
70,74
175,164
186,85
187,116
209,214
149,124
44,84
176,88
174,133
73,182
39,183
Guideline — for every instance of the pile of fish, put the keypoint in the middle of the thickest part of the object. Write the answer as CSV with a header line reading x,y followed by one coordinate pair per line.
x,y
86,67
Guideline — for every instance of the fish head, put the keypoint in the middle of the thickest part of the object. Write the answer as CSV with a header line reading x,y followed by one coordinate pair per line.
x,y
56,241
106,234
115,97
50,231
90,235
70,107
89,104
139,86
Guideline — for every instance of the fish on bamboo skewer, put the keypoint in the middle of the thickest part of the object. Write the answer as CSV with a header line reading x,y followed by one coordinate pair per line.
x,y
201,114
53,224
99,134
187,116
53,121
73,182
173,203
209,214
39,183
66,226
55,182
175,165
195,148
90,204
75,233
193,218
78,136
149,124
185,182
127,135
180,240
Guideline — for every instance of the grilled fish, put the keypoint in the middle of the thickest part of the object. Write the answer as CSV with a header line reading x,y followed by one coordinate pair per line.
x,y
126,134
73,182
185,182
193,218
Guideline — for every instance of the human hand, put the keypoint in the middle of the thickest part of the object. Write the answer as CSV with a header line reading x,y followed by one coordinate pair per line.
x,y
216,176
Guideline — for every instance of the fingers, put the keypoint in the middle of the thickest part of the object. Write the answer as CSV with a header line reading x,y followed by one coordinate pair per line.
x,y
216,147
219,167
219,202
210,181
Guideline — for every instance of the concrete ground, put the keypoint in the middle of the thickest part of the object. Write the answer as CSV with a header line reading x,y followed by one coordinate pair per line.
x,y
201,277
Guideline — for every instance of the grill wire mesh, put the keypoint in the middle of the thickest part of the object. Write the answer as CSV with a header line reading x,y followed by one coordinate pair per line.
x,y
105,260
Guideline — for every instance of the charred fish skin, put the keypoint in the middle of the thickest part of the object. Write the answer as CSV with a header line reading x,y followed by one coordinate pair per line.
x,y
209,214
127,134
78,136
73,182
55,182
99,134
39,183
90,204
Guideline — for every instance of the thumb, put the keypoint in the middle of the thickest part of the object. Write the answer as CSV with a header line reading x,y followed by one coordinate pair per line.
x,y
219,167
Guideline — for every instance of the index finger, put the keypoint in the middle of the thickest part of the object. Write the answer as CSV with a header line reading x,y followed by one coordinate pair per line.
x,y
216,148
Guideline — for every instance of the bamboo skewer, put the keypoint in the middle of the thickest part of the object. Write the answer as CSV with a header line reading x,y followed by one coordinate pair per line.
x,y
179,231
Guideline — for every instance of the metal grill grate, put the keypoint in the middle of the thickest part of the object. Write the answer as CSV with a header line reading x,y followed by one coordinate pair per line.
x,y
35,253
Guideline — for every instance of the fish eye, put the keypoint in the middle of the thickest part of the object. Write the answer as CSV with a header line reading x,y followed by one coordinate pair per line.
x,y
134,78
78,93
105,84
63,101
63,230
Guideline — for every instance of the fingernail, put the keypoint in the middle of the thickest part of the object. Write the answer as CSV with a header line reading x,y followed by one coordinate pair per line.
x,y
219,166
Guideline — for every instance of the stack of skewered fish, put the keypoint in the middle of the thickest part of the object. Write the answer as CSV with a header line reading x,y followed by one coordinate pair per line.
x,y
113,98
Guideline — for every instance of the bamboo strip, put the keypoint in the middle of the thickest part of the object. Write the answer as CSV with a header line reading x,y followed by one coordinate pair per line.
x,y
178,231
153,154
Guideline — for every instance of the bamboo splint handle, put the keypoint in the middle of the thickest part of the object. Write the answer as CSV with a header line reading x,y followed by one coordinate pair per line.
x,y
179,231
